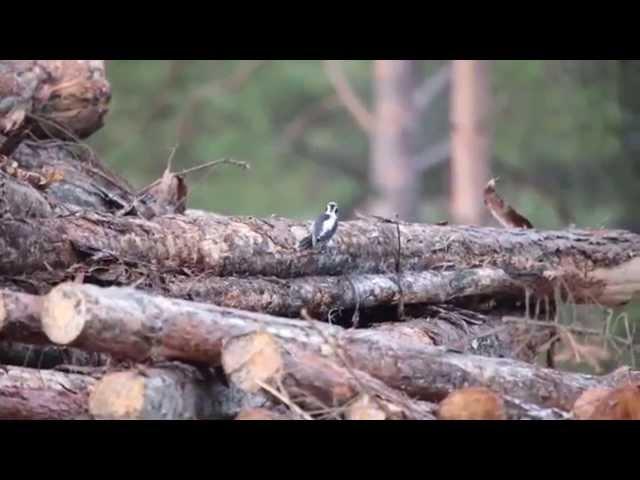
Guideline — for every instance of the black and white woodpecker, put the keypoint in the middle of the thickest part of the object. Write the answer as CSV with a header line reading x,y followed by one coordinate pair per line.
x,y
323,228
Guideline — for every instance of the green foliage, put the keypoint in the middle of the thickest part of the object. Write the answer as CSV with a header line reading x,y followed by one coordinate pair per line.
x,y
557,126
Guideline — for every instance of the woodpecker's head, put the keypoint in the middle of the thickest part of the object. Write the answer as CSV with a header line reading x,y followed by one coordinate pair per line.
x,y
332,208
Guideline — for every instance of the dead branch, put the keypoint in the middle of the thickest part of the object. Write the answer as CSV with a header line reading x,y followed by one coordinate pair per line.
x,y
350,99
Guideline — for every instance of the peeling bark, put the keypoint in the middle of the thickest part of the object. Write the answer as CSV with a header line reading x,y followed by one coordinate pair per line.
x,y
27,394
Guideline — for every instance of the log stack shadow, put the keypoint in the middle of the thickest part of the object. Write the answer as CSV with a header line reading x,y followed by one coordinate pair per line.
x,y
118,303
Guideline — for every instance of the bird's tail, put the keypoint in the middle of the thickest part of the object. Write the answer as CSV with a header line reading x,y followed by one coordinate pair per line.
x,y
306,243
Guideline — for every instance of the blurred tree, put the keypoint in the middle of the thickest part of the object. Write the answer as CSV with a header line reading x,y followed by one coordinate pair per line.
x,y
630,133
471,133
395,182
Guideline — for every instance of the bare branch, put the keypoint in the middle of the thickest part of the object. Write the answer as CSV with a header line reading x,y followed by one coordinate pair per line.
x,y
433,155
431,87
296,127
352,102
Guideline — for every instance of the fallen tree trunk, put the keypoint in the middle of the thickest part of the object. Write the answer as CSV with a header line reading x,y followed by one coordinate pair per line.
x,y
27,394
258,359
180,392
595,266
322,295
53,98
23,342
129,323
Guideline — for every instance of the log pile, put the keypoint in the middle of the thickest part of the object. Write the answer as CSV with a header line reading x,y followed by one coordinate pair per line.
x,y
118,303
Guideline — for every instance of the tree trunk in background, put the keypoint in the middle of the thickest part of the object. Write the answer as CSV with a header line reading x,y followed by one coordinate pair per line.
x,y
471,140
629,99
393,176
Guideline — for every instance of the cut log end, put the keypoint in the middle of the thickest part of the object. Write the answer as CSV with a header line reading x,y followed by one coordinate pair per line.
x,y
251,359
475,403
365,409
259,414
620,404
63,315
118,395
586,403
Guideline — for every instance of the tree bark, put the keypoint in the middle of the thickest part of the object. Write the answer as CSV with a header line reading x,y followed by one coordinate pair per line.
x,y
600,266
20,200
86,183
322,295
48,356
20,317
27,394
132,324
470,139
53,98
179,392
394,176
313,380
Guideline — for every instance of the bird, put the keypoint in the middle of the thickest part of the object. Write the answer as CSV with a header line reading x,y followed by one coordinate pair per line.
x,y
323,228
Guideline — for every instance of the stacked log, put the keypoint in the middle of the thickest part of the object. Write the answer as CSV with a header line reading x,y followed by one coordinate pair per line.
x,y
117,303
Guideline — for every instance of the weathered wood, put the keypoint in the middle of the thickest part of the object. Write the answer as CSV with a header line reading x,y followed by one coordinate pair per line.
x,y
130,323
23,342
85,181
47,356
261,414
253,360
53,98
322,295
29,394
20,200
170,393
596,266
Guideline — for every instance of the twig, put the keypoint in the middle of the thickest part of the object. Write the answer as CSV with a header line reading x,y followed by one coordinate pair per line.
x,y
351,101
338,353
213,163
284,399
